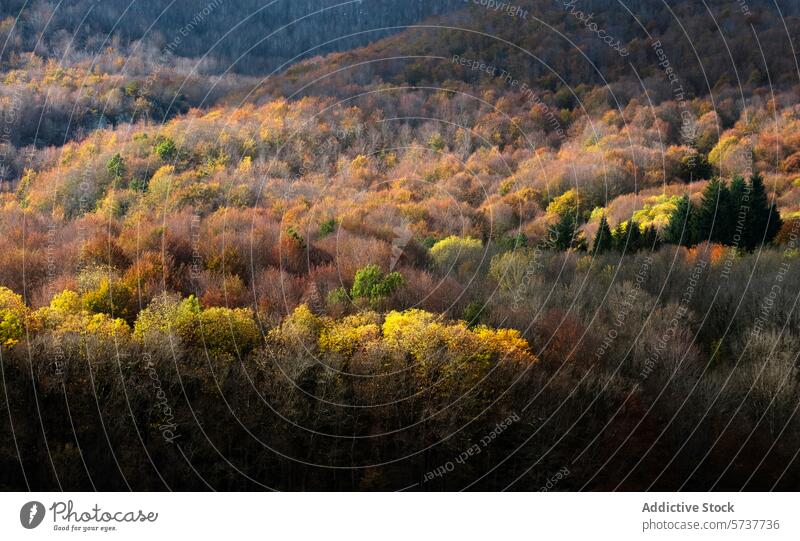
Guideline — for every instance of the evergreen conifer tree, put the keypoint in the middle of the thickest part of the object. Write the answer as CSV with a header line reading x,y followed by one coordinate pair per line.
x,y
740,212
650,238
627,237
603,240
679,229
562,234
711,219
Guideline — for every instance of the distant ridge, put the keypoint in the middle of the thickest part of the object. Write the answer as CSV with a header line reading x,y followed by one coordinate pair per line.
x,y
238,30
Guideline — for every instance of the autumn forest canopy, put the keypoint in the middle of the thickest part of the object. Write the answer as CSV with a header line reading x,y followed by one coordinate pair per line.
x,y
314,246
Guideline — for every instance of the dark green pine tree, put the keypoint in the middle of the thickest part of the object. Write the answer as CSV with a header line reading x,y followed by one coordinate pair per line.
x,y
603,239
712,219
618,237
765,220
627,237
740,211
634,236
725,224
650,238
679,230
738,191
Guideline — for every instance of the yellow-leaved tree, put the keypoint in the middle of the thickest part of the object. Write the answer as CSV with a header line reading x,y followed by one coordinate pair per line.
x,y
458,255
12,317
66,314
449,352
350,334
218,330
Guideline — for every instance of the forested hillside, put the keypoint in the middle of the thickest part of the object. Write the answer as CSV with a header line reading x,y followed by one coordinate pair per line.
x,y
72,67
245,36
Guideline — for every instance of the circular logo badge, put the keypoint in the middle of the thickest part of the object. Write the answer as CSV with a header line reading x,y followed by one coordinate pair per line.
x,y
31,515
